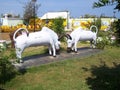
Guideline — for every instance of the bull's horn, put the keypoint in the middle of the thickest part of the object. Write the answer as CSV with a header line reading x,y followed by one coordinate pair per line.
x,y
68,36
60,37
14,36
65,35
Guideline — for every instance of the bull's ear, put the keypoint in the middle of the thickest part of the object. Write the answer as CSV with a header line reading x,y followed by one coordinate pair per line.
x,y
68,36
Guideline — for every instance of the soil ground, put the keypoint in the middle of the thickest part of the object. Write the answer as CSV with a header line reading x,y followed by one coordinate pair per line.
x,y
4,36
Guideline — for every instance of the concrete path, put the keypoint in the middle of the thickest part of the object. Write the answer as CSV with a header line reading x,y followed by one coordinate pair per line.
x,y
37,60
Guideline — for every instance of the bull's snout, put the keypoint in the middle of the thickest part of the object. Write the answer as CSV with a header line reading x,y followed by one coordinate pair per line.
x,y
68,49
57,50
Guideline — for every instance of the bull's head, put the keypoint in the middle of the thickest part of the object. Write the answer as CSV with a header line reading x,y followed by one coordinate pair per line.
x,y
69,43
57,45
19,46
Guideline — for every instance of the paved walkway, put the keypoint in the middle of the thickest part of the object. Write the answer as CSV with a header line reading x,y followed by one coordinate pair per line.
x,y
37,60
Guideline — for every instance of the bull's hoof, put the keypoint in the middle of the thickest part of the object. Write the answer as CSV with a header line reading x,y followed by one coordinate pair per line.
x,y
68,51
54,56
21,61
73,50
76,51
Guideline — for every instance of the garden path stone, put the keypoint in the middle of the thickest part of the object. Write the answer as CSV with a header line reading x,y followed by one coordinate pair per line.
x,y
41,59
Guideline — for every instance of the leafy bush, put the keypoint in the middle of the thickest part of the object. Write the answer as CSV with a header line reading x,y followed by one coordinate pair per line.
x,y
103,39
2,47
7,70
101,43
116,26
58,26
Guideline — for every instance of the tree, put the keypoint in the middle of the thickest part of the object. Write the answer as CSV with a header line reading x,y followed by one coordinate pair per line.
x,y
101,3
89,16
30,11
58,26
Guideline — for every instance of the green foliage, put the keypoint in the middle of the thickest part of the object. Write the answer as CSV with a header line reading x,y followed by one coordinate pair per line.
x,y
58,26
102,43
118,5
3,47
103,35
97,22
105,39
12,54
117,32
7,70
102,3
30,10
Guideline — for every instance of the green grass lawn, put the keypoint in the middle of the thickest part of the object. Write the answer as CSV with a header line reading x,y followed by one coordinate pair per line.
x,y
96,72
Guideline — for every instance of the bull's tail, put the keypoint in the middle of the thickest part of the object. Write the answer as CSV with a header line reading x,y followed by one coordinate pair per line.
x,y
18,30
93,26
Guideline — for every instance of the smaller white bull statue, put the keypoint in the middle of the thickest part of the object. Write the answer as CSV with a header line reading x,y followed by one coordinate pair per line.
x,y
44,37
81,35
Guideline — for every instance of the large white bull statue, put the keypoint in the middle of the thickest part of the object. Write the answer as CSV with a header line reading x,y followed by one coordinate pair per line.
x,y
44,37
81,35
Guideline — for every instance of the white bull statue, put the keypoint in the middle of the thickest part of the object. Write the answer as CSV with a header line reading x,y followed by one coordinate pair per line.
x,y
81,35
44,37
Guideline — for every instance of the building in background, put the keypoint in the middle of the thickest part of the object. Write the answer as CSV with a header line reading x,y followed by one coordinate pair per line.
x,y
60,14
9,20
73,23
70,23
83,22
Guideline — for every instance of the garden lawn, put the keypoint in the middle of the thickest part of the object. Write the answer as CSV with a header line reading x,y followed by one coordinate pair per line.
x,y
97,72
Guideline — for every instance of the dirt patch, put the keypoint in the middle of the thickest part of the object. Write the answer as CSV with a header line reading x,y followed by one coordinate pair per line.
x,y
4,36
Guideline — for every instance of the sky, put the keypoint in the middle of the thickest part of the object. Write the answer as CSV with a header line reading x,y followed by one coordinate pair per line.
x,y
77,8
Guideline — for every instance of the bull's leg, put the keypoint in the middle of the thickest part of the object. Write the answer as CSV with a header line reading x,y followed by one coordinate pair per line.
x,y
75,46
91,44
19,55
50,50
94,44
54,51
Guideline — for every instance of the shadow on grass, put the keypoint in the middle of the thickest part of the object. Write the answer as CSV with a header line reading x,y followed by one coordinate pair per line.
x,y
104,77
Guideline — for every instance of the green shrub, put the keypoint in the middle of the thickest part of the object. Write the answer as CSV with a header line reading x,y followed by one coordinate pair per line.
x,y
58,26
117,30
12,54
101,43
7,70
